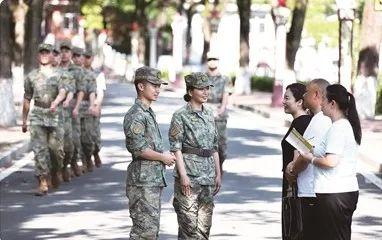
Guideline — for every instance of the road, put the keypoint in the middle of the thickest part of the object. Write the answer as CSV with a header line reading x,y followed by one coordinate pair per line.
x,y
94,206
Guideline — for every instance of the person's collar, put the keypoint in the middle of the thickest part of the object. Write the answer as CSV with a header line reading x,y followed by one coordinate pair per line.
x,y
140,103
190,109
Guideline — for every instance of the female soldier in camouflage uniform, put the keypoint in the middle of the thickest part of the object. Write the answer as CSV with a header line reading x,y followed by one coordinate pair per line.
x,y
193,139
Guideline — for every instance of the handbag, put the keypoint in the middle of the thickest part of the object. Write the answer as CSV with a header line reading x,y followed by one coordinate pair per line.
x,y
292,214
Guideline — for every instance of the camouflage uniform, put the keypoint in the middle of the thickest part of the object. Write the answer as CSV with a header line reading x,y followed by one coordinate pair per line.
x,y
221,87
87,120
46,131
194,129
78,74
145,178
67,119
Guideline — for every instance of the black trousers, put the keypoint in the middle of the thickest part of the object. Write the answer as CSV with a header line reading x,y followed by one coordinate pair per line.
x,y
310,215
335,214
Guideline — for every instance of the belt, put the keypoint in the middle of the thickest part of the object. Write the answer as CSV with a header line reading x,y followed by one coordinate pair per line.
x,y
42,104
198,151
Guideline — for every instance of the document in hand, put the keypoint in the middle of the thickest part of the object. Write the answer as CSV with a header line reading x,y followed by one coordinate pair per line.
x,y
298,141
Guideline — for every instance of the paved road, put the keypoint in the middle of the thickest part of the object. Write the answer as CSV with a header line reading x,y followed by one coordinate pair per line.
x,y
94,206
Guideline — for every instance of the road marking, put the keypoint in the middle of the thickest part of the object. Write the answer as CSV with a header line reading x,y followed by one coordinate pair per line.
x,y
16,166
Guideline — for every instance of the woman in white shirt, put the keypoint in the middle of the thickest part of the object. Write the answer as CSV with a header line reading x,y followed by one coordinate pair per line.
x,y
335,181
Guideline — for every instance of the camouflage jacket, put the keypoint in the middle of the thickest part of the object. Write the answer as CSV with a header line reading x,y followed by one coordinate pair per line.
x,y
78,74
89,79
195,129
221,86
142,132
43,88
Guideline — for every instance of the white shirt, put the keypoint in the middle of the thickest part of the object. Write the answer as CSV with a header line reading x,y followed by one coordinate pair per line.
x,y
101,82
315,133
341,178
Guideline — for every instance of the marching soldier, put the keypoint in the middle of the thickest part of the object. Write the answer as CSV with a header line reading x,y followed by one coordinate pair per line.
x,y
87,110
145,174
96,108
70,140
218,100
45,86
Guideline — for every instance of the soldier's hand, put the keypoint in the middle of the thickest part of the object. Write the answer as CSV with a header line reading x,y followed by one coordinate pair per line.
x,y
218,183
75,113
24,127
168,159
65,104
53,107
185,184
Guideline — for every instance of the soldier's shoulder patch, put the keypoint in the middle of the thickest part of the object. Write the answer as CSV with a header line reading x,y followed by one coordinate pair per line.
x,y
137,128
175,130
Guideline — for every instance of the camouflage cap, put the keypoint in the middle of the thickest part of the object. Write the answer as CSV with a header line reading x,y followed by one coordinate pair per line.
x,y
45,46
88,52
77,50
197,80
66,44
149,74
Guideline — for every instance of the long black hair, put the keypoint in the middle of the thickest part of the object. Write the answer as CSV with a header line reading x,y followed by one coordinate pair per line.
x,y
346,103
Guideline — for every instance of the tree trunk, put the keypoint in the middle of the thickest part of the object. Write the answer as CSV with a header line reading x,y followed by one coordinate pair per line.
x,y
371,37
244,7
32,34
294,34
7,108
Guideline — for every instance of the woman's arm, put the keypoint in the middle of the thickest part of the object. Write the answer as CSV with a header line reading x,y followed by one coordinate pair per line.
x,y
184,179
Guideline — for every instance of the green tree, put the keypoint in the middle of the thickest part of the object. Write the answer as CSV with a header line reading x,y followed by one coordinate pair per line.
x,y
294,34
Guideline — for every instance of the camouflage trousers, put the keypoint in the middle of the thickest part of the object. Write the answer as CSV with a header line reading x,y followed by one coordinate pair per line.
x,y
97,135
144,207
68,136
221,127
87,135
76,133
48,147
194,212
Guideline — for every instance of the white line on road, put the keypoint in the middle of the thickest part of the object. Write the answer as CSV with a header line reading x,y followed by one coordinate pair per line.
x,y
16,166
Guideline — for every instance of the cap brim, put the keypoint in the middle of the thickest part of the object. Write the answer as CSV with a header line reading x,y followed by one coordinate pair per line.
x,y
157,81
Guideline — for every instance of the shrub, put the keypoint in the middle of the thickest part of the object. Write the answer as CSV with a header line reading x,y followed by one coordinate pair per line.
x,y
262,83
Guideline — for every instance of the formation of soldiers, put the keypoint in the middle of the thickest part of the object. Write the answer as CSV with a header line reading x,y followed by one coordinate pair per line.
x,y
65,118
197,137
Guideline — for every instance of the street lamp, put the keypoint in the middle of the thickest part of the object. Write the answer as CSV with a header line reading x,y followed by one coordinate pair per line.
x,y
346,14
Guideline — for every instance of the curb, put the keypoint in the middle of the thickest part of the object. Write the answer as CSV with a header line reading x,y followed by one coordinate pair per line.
x,y
260,111
15,152
374,165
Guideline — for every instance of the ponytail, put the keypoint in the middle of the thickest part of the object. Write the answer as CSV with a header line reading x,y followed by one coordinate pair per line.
x,y
353,118
346,104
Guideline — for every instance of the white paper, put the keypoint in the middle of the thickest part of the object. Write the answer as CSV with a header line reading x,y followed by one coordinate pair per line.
x,y
299,142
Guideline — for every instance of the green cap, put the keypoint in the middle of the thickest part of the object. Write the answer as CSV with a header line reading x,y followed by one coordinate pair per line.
x,y
45,46
197,80
88,52
77,50
149,74
66,44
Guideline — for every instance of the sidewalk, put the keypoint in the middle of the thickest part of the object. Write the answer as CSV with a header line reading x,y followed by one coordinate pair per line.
x,y
13,143
260,102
